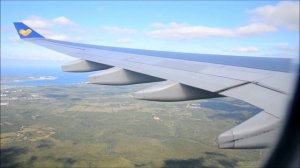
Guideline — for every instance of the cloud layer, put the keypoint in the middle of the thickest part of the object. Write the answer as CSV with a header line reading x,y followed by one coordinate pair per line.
x,y
265,19
250,49
42,23
45,26
284,14
124,41
118,30
177,31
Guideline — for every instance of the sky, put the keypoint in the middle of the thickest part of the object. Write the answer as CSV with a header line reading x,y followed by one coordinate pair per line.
x,y
246,28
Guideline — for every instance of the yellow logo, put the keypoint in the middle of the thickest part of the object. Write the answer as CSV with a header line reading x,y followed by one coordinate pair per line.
x,y
25,32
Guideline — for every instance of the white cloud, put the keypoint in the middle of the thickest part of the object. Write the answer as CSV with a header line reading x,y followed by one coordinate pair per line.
x,y
46,26
157,25
42,23
265,19
254,29
176,31
284,14
37,22
124,41
250,49
118,30
62,21
285,47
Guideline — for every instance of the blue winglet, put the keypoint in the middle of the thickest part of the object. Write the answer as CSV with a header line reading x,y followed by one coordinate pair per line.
x,y
26,32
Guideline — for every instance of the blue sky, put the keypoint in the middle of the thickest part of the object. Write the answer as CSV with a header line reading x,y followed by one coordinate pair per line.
x,y
252,28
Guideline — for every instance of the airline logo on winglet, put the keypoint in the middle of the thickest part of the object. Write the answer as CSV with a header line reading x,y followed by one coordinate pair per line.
x,y
25,32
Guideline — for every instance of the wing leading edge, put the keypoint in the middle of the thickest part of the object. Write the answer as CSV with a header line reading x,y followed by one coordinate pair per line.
x,y
187,76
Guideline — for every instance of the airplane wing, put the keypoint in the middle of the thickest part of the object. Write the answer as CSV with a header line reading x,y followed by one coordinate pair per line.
x,y
260,81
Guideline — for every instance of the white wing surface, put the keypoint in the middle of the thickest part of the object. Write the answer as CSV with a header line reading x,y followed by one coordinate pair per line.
x,y
262,82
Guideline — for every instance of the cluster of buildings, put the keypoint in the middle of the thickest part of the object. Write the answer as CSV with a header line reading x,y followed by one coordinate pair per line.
x,y
12,94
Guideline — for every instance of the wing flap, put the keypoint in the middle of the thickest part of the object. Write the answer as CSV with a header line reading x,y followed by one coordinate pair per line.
x,y
271,101
258,128
258,131
172,91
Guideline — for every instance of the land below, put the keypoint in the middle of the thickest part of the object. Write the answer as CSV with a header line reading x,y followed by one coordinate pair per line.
x,y
83,125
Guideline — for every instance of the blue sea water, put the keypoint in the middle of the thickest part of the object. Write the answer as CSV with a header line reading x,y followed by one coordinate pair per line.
x,y
39,71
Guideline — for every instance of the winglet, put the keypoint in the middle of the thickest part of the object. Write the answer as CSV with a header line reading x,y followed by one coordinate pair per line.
x,y
26,32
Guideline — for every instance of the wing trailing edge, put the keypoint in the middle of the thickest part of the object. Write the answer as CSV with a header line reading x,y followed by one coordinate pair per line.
x,y
173,91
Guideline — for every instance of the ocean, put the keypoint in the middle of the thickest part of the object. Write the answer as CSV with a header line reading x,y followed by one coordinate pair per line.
x,y
39,76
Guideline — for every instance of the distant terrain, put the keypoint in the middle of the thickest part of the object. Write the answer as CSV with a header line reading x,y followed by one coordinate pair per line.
x,y
82,125
26,79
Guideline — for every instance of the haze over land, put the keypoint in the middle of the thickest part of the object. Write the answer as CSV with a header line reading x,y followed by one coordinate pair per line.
x,y
82,125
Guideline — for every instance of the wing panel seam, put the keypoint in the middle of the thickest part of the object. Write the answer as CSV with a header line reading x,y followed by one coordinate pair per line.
x,y
232,87
273,89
